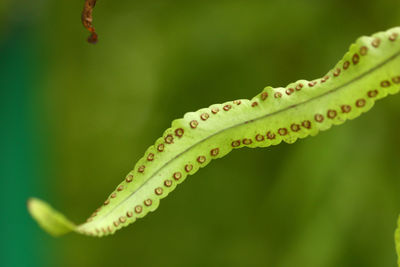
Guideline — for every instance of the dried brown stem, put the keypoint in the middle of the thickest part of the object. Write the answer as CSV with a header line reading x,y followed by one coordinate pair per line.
x,y
87,19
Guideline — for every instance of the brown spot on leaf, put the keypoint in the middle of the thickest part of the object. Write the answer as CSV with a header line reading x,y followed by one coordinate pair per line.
x,y
289,91
169,139
215,110
188,168
325,79
271,135
129,178
346,108
178,175
376,42
141,169
312,84
194,124
214,152
227,107
282,131
259,137
247,141
360,103
201,159
319,118
306,124
138,208
204,116
236,143
393,36
363,50
158,191
160,147
331,114
264,95
168,183
179,132
295,127
148,202
373,93
150,157
299,86
385,84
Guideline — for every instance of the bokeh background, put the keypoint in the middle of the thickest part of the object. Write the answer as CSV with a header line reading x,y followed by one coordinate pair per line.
x,y
75,118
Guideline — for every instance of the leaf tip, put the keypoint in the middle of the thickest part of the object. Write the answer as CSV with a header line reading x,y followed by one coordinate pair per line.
x,y
49,219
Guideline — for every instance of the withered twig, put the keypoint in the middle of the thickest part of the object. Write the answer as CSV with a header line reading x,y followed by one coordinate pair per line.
x,y
87,20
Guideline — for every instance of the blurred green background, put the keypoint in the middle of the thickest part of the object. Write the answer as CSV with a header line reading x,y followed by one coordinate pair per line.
x,y
75,118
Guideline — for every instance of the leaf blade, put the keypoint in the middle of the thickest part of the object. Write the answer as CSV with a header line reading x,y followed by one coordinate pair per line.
x,y
368,72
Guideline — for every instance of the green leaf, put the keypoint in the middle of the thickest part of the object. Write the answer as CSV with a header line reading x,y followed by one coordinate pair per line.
x,y
369,71
397,241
